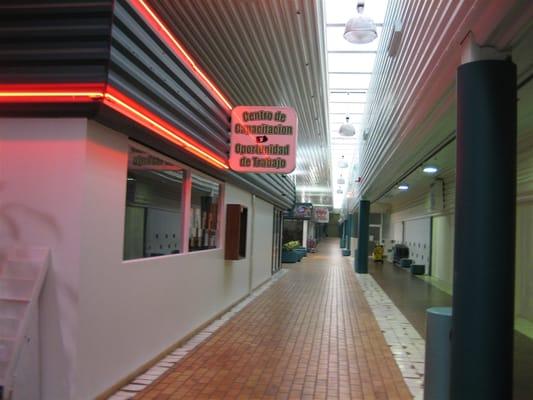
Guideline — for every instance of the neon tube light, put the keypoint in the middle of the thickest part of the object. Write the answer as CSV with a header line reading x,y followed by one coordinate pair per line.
x,y
155,22
133,110
51,93
83,93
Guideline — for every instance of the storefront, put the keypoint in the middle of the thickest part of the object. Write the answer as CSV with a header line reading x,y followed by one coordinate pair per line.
x,y
118,165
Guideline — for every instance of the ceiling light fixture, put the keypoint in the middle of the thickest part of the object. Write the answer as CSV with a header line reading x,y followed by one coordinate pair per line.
x,y
347,129
430,169
403,186
360,29
341,180
343,163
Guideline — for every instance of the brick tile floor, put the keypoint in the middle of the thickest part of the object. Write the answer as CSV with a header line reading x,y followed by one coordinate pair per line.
x,y
310,336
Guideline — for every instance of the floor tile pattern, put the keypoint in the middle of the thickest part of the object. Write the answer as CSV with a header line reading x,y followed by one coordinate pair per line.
x,y
311,335
148,377
407,346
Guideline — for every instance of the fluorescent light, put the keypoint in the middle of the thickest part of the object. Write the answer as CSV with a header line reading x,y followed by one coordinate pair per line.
x,y
430,169
403,186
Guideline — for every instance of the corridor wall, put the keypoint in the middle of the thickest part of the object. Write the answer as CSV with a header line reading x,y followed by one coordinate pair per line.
x,y
413,206
64,184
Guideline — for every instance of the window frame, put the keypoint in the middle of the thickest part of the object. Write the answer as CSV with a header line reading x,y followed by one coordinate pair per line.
x,y
186,191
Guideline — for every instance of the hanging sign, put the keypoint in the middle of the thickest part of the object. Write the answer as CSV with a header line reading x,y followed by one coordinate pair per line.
x,y
263,139
321,215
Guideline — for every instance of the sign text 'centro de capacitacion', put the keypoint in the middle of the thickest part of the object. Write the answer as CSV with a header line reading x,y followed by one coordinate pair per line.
x,y
263,139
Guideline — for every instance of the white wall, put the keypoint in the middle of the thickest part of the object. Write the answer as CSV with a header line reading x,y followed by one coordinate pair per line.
x,y
104,317
41,192
262,243
444,228
442,251
131,311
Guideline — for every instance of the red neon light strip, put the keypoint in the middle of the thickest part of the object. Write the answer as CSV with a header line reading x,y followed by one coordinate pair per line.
x,y
155,22
50,93
81,93
133,110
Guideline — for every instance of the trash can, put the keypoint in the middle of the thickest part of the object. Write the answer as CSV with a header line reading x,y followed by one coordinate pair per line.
x,y
438,347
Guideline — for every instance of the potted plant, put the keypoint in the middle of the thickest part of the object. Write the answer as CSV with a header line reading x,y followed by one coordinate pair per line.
x,y
289,253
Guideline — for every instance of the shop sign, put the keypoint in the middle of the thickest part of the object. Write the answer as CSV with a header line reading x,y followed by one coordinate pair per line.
x,y
302,211
321,215
263,139
140,160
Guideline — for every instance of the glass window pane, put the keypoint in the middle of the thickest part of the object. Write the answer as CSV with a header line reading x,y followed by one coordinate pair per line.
x,y
375,219
351,62
355,119
154,217
203,232
339,11
349,81
336,95
347,108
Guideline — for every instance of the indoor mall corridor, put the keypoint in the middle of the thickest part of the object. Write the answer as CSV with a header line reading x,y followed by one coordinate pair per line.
x,y
311,335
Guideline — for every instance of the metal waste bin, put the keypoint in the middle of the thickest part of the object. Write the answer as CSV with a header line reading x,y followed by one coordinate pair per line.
x,y
438,348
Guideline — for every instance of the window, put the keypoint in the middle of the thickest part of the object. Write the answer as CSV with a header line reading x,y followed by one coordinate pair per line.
x,y
153,224
203,232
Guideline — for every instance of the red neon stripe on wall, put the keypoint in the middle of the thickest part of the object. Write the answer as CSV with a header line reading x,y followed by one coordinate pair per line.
x,y
133,110
81,93
157,25
51,93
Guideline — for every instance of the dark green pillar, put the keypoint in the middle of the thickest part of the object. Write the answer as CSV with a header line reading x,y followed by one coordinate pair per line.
x,y
483,289
348,232
342,229
361,261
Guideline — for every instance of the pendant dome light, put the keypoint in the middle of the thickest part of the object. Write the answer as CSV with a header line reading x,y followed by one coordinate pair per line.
x,y
347,129
341,180
343,163
360,29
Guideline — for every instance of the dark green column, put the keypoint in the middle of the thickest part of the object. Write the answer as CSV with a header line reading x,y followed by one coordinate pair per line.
x,y
483,289
343,235
348,232
361,261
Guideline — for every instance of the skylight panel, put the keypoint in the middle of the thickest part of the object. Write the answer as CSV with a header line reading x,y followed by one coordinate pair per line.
x,y
347,96
341,118
351,62
346,108
349,81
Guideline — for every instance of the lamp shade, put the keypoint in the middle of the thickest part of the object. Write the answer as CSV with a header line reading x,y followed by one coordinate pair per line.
x,y
347,129
360,30
341,181
343,164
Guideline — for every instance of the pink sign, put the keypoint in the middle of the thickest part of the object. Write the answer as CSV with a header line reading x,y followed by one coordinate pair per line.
x,y
263,139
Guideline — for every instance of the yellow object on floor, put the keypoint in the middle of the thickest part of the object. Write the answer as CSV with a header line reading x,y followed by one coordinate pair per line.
x,y
378,253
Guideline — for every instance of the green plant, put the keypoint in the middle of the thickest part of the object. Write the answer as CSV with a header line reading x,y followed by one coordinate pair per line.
x,y
293,244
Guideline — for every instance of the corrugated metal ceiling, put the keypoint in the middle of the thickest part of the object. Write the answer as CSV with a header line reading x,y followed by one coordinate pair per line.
x,y
265,53
271,52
